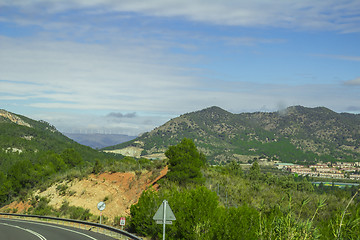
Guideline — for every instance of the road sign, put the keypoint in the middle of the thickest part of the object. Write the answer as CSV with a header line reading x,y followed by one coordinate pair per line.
x,y
159,215
101,206
122,221
164,215
162,222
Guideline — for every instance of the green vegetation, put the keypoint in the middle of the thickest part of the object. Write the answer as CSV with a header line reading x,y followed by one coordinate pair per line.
x,y
236,204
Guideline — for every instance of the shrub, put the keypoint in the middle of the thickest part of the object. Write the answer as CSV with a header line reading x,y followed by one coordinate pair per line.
x,y
42,208
185,163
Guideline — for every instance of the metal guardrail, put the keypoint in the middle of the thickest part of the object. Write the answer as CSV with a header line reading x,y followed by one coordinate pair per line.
x,y
102,226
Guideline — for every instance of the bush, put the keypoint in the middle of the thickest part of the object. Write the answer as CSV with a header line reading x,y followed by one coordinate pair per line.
x,y
185,163
141,221
98,167
62,189
79,213
42,208
236,223
74,212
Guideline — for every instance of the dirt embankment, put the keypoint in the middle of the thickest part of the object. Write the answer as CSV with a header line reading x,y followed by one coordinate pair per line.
x,y
118,190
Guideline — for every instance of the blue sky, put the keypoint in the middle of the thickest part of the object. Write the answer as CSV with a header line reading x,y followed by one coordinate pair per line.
x,y
130,66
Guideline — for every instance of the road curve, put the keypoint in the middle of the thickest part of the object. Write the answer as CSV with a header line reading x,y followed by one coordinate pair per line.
x,y
14,229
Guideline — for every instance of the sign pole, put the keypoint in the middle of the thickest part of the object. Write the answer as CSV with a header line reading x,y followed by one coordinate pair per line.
x,y
164,219
164,215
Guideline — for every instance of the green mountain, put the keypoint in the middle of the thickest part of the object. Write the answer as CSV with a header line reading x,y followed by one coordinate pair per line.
x,y
296,134
32,153
19,134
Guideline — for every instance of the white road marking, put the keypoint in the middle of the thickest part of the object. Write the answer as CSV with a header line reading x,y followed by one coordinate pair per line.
x,y
49,225
27,230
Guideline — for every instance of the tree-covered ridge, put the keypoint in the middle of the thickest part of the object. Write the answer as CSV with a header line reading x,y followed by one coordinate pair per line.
x,y
296,134
36,136
32,153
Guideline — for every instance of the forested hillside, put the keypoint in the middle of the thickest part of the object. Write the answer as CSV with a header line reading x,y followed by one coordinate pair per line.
x,y
296,134
33,152
24,135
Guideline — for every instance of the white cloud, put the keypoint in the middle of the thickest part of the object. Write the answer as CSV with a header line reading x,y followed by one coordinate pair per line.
x,y
71,65
72,75
66,75
353,82
305,14
340,57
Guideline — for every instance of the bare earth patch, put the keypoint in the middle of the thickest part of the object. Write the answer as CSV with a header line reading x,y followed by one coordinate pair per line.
x,y
128,151
118,190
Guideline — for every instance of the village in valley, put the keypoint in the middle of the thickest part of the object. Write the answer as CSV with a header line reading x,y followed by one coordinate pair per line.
x,y
338,170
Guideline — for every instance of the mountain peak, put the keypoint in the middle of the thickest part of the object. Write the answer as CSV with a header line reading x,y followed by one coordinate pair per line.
x,y
213,110
213,113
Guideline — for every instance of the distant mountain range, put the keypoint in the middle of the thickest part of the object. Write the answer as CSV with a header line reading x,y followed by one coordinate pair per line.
x,y
98,140
297,134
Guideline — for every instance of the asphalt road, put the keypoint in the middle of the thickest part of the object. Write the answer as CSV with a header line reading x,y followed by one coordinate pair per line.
x,y
14,229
